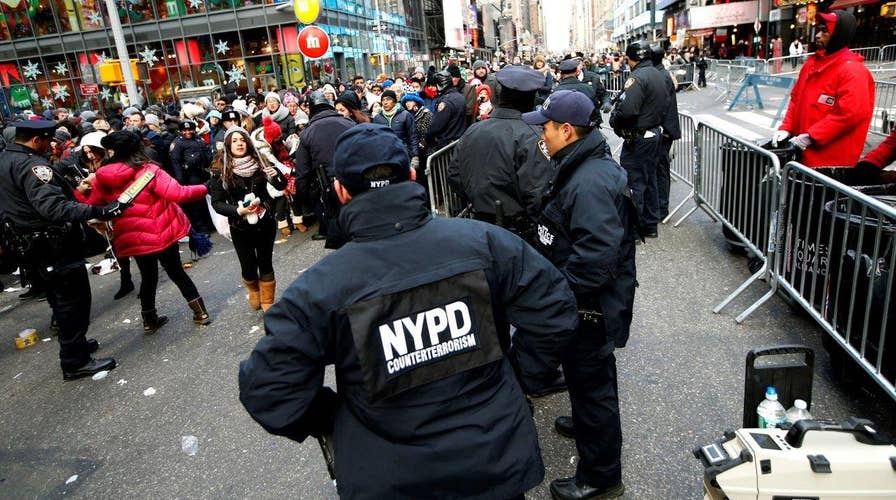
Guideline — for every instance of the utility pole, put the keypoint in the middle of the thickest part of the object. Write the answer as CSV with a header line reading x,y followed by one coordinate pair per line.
x,y
122,48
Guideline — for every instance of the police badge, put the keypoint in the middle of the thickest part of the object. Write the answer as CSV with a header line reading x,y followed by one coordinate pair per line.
x,y
43,173
441,107
628,83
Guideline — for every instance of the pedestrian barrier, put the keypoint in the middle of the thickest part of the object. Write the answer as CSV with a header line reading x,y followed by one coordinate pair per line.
x,y
682,159
883,119
616,81
443,201
835,256
684,74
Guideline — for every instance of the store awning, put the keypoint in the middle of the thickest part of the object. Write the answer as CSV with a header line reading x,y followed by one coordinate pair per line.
x,y
704,32
845,4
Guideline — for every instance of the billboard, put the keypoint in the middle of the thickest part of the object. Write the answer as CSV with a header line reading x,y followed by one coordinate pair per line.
x,y
453,11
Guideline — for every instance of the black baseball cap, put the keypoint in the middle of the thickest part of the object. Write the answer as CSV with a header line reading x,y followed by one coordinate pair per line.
x,y
564,106
365,146
230,115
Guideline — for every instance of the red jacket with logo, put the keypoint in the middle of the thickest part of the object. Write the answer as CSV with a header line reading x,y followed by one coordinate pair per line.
x,y
154,221
833,101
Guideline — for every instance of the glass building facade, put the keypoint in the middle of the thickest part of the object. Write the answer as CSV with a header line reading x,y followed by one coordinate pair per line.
x,y
50,50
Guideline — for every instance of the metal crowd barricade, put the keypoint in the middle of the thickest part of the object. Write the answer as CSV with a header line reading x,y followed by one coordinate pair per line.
x,y
883,119
616,81
443,201
684,74
835,255
887,58
737,184
682,159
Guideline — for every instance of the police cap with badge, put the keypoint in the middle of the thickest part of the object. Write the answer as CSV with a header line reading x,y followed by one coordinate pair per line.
x,y
520,79
362,149
569,66
35,128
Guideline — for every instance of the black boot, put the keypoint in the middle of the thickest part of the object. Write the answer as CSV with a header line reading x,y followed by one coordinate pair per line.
x,y
90,368
563,425
569,489
152,321
200,315
127,286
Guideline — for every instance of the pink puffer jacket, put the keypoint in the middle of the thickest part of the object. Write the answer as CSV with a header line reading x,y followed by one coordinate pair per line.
x,y
154,221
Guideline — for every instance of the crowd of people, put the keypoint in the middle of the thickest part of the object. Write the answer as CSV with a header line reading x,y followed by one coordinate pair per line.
x,y
422,341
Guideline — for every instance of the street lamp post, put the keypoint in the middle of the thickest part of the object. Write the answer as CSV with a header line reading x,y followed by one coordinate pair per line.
x,y
122,48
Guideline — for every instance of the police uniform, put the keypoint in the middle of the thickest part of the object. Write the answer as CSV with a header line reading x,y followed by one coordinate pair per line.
x,y
569,80
449,120
671,131
636,118
430,399
587,229
499,159
42,227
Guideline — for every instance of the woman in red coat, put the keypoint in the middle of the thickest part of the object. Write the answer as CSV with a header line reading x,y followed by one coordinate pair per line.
x,y
152,226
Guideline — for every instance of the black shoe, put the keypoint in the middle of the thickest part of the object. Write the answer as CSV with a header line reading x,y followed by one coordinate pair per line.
x,y
92,367
553,387
126,288
651,234
569,489
563,425
33,294
92,345
318,237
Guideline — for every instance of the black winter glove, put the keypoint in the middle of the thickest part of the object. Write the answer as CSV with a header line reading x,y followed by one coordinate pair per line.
x,y
865,174
112,210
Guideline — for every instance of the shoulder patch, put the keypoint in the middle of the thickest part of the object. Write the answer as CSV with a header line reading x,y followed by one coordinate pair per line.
x,y
441,107
544,149
43,173
628,83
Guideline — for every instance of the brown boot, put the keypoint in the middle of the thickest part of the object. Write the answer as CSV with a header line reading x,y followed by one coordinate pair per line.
x,y
267,293
297,222
152,321
254,297
283,226
200,315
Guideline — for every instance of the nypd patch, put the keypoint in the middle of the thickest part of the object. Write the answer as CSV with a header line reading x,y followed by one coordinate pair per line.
x,y
629,83
544,149
43,173
441,107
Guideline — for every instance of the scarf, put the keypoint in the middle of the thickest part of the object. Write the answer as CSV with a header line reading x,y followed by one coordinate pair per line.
x,y
245,166
389,115
278,116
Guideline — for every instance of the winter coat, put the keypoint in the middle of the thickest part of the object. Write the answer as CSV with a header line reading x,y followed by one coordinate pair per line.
x,y
226,198
154,221
885,153
832,101
402,123
318,141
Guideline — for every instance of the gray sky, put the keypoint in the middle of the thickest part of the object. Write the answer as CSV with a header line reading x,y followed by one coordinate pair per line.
x,y
557,16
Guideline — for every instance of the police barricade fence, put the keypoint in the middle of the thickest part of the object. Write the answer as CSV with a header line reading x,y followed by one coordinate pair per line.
x,y
887,58
871,55
616,81
835,256
683,74
443,201
682,159
883,119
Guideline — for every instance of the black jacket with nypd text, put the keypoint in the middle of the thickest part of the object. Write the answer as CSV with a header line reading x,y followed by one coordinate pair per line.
x,y
587,228
414,314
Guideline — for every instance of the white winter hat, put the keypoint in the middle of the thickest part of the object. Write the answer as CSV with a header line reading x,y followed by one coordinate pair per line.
x,y
93,139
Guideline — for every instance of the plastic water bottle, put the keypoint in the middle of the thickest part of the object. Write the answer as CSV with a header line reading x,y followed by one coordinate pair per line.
x,y
798,412
771,411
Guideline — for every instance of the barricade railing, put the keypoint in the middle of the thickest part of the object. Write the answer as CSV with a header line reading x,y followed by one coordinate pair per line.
x,y
887,58
835,256
683,160
443,201
616,81
684,74
883,119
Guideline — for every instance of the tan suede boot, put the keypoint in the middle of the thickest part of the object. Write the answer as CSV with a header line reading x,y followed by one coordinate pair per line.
x,y
267,293
297,223
254,294
200,314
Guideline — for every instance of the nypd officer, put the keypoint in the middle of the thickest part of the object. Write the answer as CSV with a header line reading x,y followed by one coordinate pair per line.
x,y
41,225
430,400
636,118
574,77
499,166
587,228
671,132
449,120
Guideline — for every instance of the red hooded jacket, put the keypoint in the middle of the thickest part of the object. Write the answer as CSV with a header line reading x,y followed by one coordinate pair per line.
x,y
832,101
154,221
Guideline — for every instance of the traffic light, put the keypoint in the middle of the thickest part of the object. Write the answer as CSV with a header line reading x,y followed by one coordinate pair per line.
x,y
375,59
888,10
110,71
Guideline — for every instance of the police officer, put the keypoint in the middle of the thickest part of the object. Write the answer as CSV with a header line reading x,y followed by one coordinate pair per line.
x,y
569,78
499,166
587,229
636,118
190,159
448,121
428,403
317,142
41,225
671,131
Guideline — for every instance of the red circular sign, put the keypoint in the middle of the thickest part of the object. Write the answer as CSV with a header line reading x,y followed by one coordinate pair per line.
x,y
313,42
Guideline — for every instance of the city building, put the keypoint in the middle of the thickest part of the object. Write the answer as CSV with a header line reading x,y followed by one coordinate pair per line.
x,y
50,50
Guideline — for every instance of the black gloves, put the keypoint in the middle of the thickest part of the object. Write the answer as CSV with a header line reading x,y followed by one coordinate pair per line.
x,y
865,174
112,210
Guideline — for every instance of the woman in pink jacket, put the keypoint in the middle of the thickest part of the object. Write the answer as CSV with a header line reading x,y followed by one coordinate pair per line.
x,y
151,227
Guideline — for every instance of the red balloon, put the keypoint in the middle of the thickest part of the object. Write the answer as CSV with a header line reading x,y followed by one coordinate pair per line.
x,y
314,42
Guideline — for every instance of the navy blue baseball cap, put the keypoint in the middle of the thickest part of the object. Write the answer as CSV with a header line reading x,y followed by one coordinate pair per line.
x,y
37,127
564,106
569,66
520,78
365,146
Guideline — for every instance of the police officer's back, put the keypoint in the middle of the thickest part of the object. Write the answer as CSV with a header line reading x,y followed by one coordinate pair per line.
x,y
449,120
569,79
498,162
414,314
42,226
671,131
